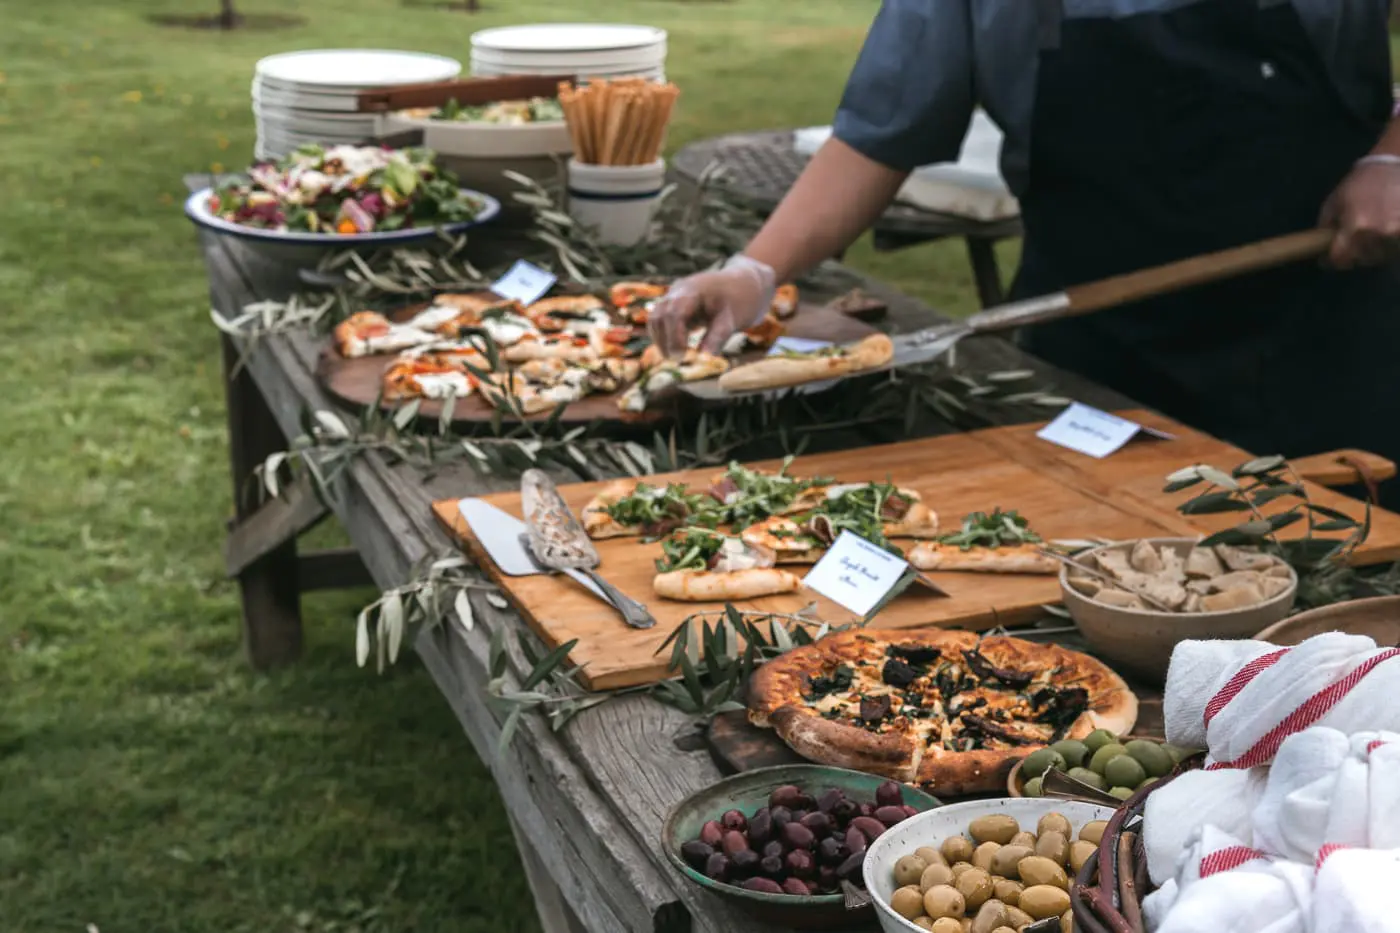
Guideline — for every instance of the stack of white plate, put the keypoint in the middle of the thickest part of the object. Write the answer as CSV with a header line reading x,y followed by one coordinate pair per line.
x,y
584,50
311,97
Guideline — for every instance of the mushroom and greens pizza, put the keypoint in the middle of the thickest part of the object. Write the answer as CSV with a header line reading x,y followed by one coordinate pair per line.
x,y
938,707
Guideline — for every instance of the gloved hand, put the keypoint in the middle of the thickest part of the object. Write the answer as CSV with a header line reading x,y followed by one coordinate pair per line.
x,y
1365,210
732,298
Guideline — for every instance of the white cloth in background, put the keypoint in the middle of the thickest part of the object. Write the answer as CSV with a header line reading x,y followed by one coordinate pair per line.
x,y
1224,885
1176,814
1249,699
971,187
1326,788
1355,892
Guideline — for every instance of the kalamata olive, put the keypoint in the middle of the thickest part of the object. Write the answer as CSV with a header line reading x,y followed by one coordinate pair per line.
x,y
745,863
849,870
799,815
826,877
910,811
845,810
800,862
831,851
828,801
734,841
766,885
805,802
772,866
818,822
773,848
733,819
787,796
855,840
798,836
870,827
796,886
717,866
761,827
780,816
889,794
867,809
712,834
890,815
696,853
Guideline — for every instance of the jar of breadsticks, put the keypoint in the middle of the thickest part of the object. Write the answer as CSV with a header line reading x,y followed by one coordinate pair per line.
x,y
617,173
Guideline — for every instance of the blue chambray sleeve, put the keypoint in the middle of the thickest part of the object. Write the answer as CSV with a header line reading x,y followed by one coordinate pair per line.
x,y
910,97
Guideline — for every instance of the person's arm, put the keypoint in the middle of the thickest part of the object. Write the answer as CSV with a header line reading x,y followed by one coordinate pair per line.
x,y
1365,208
837,197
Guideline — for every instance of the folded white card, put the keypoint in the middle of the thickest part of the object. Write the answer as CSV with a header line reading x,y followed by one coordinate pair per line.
x,y
524,282
1096,433
855,573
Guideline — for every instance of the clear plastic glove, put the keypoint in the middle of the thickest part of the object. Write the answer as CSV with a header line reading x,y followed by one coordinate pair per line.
x,y
1365,211
724,301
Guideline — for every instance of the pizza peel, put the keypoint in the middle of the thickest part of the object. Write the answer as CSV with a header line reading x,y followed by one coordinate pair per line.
x,y
927,345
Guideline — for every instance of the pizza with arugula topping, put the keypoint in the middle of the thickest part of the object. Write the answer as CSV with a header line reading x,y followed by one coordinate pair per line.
x,y
876,512
700,565
945,708
748,495
626,508
1000,542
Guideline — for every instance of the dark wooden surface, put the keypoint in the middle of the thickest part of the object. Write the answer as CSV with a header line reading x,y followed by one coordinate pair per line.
x,y
587,802
760,167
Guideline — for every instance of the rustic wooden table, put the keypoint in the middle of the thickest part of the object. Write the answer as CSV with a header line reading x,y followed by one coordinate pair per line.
x,y
760,167
587,804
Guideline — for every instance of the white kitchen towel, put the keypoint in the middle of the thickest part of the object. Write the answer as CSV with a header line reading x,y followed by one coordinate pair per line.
x,y
1355,891
1327,788
1337,680
1225,885
1176,814
1199,671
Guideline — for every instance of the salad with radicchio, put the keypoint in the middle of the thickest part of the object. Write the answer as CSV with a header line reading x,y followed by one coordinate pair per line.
x,y
346,190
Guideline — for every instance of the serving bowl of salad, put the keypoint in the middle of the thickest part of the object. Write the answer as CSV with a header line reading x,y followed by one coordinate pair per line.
x,y
523,128
320,199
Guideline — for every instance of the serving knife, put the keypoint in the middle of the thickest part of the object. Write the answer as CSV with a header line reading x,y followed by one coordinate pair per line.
x,y
927,345
557,541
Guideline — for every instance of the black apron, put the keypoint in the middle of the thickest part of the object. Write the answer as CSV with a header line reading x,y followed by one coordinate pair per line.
x,y
1162,135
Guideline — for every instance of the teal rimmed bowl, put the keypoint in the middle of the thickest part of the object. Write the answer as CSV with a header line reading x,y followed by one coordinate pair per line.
x,y
747,792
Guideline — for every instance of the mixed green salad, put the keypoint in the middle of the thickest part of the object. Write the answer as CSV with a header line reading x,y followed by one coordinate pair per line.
x,y
505,112
346,190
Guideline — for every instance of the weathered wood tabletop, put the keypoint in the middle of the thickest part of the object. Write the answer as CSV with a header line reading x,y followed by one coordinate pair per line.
x,y
587,802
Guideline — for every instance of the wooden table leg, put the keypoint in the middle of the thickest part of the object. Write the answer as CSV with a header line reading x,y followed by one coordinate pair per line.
x,y
556,916
982,252
268,586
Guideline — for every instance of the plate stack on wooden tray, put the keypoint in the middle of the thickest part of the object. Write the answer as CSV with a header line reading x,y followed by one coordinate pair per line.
x,y
311,96
585,50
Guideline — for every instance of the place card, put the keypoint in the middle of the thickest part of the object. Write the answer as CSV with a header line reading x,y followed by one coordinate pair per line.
x,y
801,345
1095,433
524,282
855,573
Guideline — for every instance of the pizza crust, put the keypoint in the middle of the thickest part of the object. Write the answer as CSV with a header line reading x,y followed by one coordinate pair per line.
x,y
1019,558
776,372
893,755
785,538
705,586
596,520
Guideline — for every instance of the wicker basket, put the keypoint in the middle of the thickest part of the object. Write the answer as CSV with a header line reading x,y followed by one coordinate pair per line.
x,y
1110,900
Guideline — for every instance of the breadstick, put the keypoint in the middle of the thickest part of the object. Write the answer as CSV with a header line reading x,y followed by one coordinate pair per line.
x,y
613,131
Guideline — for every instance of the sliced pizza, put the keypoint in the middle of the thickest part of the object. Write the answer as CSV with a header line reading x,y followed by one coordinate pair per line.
x,y
749,495
698,565
366,333
790,541
575,314
791,368
426,378
999,542
625,508
513,392
759,337
694,366
563,346
785,301
876,512
900,513
633,300
450,314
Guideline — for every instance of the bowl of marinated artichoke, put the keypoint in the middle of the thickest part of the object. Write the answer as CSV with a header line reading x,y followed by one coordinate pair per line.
x,y
1134,600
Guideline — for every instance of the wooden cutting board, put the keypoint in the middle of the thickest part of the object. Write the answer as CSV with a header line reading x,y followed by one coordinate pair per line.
x,y
1064,495
357,381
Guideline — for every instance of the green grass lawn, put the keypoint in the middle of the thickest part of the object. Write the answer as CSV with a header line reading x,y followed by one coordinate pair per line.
x,y
148,781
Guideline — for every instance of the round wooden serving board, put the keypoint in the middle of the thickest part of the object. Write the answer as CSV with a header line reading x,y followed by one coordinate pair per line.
x,y
357,382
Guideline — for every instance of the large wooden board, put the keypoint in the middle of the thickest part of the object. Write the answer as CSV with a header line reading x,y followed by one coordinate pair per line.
x,y
357,382
1064,494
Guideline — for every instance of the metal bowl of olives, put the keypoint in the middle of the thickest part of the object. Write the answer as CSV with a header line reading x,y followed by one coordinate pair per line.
x,y
979,866
1091,761
779,841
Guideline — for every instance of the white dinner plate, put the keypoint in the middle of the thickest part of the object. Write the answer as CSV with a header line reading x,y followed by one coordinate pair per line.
x,y
355,68
567,37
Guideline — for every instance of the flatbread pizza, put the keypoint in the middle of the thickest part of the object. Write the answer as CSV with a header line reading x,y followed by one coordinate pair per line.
x,y
790,368
626,508
699,565
999,542
876,512
947,709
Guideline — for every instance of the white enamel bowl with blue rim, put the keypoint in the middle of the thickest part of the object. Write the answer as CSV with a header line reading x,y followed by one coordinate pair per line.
x,y
931,827
303,248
